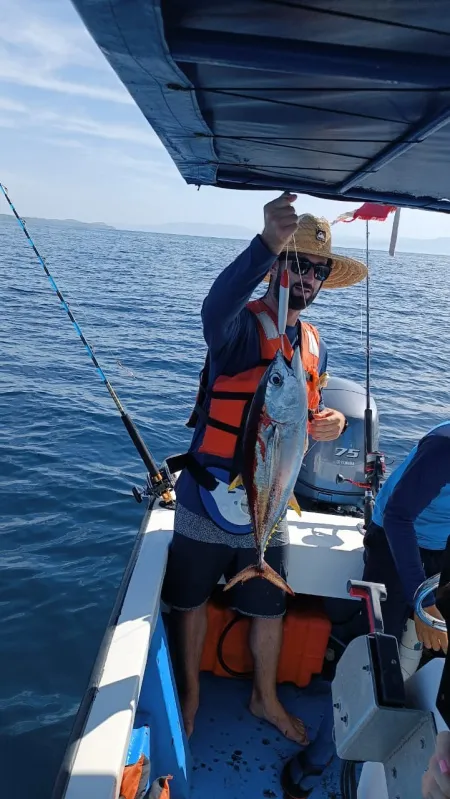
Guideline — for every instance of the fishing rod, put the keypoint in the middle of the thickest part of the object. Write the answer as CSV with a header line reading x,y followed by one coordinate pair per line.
x,y
374,462
375,467
159,483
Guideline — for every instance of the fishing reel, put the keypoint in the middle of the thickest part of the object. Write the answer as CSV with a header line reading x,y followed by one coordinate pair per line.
x,y
374,472
159,487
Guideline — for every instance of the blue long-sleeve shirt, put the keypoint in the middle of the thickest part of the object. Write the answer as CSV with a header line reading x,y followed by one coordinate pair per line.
x,y
413,506
232,336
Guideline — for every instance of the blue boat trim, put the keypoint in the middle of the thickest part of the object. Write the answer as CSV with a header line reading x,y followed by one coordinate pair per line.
x,y
224,103
139,744
160,709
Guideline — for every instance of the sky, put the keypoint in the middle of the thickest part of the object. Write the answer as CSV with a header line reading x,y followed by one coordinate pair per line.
x,y
74,145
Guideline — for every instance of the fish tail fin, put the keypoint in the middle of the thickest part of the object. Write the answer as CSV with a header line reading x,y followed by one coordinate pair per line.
x,y
273,577
266,572
294,505
235,483
246,574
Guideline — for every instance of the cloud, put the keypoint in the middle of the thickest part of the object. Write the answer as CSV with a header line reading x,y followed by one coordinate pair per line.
x,y
24,72
39,53
104,130
72,144
57,45
7,122
80,125
11,105
145,167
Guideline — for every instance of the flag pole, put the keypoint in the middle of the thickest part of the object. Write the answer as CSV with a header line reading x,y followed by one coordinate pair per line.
x,y
394,234
374,466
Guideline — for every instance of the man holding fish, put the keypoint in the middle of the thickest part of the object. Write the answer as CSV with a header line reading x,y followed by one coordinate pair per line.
x,y
259,397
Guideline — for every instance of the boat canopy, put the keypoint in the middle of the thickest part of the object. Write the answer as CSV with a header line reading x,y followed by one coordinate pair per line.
x,y
335,98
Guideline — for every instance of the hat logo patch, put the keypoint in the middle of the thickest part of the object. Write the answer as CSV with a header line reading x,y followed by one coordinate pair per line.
x,y
320,234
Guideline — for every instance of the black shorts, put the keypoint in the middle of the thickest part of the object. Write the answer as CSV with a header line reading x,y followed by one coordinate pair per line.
x,y
194,569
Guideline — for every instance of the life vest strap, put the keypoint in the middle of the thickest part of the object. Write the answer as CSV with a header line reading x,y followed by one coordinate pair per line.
x,y
176,463
225,395
209,420
227,428
232,395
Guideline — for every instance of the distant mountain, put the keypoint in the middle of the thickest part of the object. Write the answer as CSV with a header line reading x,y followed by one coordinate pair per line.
x,y
58,222
438,246
199,229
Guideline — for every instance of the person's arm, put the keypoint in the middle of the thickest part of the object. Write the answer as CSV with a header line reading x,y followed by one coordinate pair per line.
x,y
421,482
231,291
328,423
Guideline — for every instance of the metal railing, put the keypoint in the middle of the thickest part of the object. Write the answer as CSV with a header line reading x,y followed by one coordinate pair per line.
x,y
426,588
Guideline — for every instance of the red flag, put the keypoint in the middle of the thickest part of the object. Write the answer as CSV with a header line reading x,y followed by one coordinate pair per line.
x,y
367,212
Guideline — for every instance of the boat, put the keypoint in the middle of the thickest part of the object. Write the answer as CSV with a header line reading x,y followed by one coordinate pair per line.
x,y
339,102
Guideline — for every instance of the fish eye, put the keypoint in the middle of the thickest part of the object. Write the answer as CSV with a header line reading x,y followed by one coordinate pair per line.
x,y
276,379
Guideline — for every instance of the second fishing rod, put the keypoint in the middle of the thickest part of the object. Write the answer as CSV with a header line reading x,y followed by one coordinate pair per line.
x,y
159,484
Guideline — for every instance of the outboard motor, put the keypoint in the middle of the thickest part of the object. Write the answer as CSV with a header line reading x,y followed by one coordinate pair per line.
x,y
318,486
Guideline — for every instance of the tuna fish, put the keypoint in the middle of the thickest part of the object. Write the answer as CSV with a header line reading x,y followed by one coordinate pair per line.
x,y
274,443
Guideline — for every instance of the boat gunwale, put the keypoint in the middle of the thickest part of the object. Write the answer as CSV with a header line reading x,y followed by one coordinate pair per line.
x,y
89,694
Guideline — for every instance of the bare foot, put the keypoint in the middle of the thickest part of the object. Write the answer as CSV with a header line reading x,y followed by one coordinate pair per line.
x,y
291,727
189,706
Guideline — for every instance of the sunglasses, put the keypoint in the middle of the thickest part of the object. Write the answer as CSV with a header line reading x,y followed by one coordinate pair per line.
x,y
301,266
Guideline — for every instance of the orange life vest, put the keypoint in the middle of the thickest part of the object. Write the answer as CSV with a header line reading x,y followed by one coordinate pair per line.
x,y
230,397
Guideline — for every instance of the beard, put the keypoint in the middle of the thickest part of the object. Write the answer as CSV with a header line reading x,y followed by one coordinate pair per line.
x,y
298,300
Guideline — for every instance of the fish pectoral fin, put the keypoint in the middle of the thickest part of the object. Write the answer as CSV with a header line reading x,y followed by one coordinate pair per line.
x,y
266,572
235,483
294,505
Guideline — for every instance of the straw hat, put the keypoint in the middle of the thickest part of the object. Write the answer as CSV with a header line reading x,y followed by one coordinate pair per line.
x,y
313,237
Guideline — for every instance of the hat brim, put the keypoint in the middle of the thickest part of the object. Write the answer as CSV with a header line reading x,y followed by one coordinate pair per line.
x,y
345,272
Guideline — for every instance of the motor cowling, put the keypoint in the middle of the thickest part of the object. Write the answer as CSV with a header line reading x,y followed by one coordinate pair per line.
x,y
317,485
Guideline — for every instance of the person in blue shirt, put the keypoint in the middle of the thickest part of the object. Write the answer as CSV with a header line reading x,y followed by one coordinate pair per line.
x,y
212,529
405,542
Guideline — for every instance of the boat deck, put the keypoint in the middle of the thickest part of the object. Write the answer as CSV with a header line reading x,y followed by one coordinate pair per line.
x,y
136,679
236,755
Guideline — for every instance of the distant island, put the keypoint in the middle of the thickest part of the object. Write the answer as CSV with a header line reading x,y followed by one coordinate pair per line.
x,y
209,231
58,222
437,246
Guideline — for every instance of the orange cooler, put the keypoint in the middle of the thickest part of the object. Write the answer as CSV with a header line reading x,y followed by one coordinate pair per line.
x,y
305,638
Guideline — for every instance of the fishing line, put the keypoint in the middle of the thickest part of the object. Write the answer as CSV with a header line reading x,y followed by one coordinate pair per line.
x,y
145,454
129,372
361,313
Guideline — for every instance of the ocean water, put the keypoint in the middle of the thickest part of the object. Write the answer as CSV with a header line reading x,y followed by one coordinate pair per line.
x,y
67,517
